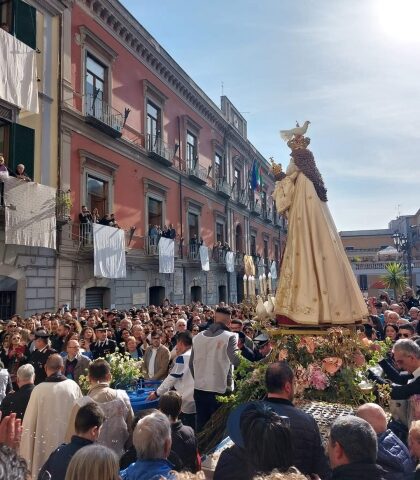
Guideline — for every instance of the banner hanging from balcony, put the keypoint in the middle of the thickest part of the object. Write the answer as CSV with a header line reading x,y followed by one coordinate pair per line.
x,y
166,255
204,257
29,214
18,76
230,262
108,252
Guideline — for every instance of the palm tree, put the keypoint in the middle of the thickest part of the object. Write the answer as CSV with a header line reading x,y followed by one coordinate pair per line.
x,y
395,277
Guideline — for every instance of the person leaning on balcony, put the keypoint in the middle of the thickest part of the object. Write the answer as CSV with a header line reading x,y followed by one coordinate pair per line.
x,y
85,216
21,174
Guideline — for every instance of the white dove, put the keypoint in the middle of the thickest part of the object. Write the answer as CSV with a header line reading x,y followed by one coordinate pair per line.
x,y
260,310
287,135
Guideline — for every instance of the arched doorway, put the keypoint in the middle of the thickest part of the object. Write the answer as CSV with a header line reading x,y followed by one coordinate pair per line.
x,y
156,295
238,239
196,294
222,293
240,288
8,287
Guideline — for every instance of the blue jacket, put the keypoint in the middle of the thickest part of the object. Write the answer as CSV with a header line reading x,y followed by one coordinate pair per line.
x,y
393,456
147,470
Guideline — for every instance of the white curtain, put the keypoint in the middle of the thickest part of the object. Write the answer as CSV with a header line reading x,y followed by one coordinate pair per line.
x,y
166,255
30,213
230,261
273,270
18,77
108,252
204,257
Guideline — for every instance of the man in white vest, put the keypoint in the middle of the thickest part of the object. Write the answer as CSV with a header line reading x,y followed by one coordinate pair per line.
x,y
214,353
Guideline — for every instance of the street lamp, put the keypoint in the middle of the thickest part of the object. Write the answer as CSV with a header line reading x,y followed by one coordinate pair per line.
x,y
403,245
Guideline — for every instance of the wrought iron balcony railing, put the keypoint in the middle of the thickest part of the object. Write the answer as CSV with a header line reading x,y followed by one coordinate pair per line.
x,y
160,150
198,173
256,208
104,117
223,188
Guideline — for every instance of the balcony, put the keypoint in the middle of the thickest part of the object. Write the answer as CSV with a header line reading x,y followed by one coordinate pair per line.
x,y
267,215
242,198
223,188
102,116
159,150
255,208
198,174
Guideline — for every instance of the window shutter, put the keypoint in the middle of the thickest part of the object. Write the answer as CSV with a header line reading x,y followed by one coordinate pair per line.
x,y
22,148
24,24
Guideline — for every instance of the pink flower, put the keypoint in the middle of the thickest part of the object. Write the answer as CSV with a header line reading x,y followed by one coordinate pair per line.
x,y
317,378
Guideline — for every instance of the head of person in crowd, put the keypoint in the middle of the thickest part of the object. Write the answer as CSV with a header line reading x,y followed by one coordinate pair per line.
x,y
99,371
12,466
104,467
156,339
395,307
375,415
279,379
54,324
195,330
88,422
413,313
266,438
181,325
72,349
406,355
101,333
405,330
414,439
152,437
391,332
184,342
54,365
263,344
223,315
41,339
170,405
63,330
25,375
352,440
236,325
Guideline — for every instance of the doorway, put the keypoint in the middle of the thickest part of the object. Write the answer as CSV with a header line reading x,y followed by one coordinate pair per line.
x,y
156,295
222,293
196,295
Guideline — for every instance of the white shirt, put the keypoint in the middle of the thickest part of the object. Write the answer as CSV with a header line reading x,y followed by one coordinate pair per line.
x,y
151,366
415,374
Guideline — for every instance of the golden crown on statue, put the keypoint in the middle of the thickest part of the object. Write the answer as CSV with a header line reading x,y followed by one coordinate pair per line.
x,y
275,167
298,142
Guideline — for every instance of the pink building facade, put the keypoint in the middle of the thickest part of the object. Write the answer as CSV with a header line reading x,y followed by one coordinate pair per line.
x,y
140,140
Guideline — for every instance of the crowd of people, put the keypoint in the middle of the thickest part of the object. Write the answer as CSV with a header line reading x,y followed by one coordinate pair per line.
x,y
87,218
51,430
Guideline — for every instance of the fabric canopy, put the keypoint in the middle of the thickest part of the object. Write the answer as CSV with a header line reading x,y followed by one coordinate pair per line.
x,y
230,262
388,251
18,75
108,252
204,257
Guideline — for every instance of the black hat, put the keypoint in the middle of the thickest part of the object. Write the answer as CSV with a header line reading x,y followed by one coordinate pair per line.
x,y
41,334
103,327
261,340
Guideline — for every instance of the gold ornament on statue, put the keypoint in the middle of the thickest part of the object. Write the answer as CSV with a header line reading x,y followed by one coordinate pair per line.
x,y
277,169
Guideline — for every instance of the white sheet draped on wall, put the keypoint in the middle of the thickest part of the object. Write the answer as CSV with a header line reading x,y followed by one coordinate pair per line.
x,y
273,270
108,252
204,257
166,255
18,76
30,213
230,261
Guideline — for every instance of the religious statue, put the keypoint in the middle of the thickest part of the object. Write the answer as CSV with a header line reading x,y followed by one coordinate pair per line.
x,y
316,284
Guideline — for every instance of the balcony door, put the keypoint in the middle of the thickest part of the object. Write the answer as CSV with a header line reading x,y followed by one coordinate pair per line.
x,y
95,87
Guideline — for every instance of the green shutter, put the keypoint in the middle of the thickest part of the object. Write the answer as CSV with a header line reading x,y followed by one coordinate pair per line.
x,y
22,148
24,23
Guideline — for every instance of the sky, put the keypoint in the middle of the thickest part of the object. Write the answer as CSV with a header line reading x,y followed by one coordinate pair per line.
x,y
351,67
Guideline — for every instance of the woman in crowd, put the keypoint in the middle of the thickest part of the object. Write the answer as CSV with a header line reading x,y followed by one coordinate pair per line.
x,y
133,348
95,216
87,338
391,331
4,349
104,467
21,174
17,355
195,330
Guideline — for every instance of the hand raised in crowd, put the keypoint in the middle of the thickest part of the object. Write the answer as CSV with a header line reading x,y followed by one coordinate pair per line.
x,y
11,431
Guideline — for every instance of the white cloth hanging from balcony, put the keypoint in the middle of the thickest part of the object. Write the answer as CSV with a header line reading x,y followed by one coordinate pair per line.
x,y
204,257
273,270
18,75
166,255
29,214
108,252
230,261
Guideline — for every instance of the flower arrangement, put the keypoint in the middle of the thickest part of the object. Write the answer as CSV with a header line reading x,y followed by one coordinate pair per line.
x,y
125,372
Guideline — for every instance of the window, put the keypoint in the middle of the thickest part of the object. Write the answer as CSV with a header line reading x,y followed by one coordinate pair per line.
x,y
276,252
266,249
193,228
4,140
363,283
95,87
97,195
218,170
349,248
155,211
263,196
191,150
153,124
237,175
19,19
220,232
253,244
